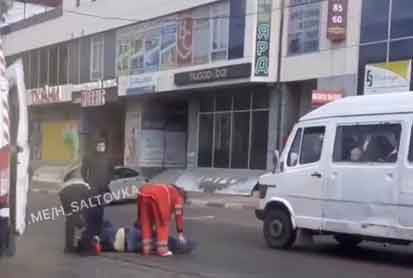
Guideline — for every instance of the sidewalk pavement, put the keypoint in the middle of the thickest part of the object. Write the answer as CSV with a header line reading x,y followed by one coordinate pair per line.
x,y
49,174
195,199
46,180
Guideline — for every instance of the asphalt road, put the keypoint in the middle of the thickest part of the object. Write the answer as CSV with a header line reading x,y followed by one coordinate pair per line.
x,y
231,245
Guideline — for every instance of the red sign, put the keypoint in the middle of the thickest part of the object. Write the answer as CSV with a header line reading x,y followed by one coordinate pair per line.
x,y
184,43
93,98
4,176
46,95
337,20
323,97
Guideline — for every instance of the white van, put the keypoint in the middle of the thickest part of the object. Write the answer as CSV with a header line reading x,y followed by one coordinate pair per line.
x,y
346,170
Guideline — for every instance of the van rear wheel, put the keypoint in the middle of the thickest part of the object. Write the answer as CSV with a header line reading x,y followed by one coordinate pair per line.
x,y
348,241
278,229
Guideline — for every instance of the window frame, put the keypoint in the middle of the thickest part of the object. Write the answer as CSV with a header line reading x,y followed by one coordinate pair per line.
x,y
371,163
303,129
299,129
232,111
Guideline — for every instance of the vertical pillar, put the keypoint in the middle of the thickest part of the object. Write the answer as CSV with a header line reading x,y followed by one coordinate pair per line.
x,y
192,133
273,124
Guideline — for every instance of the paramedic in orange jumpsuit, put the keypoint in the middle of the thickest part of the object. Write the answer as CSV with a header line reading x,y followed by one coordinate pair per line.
x,y
157,204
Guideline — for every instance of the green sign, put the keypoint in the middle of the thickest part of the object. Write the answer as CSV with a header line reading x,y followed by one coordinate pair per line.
x,y
262,47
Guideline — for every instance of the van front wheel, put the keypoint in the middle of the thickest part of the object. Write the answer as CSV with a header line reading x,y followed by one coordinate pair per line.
x,y
278,229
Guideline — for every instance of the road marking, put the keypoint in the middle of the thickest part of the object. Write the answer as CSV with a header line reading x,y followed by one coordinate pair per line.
x,y
207,217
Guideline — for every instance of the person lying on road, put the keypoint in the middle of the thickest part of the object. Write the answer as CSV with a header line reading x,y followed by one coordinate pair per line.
x,y
128,239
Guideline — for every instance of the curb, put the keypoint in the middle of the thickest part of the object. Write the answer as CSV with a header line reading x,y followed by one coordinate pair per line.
x,y
214,204
197,203
44,191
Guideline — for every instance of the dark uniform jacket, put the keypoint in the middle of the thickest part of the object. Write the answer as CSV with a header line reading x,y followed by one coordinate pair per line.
x,y
97,170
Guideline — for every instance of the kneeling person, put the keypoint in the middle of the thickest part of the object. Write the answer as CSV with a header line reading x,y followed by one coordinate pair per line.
x,y
157,204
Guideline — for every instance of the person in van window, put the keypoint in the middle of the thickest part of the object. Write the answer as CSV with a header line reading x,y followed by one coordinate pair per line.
x,y
356,154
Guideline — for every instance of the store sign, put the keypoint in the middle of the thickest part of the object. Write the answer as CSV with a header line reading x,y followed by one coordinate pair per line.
x,y
46,95
387,77
262,52
101,84
141,84
93,98
213,75
337,20
323,97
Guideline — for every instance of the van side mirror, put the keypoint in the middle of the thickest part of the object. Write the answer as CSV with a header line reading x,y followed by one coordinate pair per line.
x,y
276,162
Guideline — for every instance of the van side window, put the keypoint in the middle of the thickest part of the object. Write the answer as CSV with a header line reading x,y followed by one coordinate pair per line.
x,y
376,143
312,145
294,150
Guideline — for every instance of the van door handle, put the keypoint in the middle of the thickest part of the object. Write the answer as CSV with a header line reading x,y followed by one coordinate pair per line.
x,y
316,175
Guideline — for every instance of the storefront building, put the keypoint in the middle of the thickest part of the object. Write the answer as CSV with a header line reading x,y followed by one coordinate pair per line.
x,y
54,125
198,95
386,46
319,60
212,87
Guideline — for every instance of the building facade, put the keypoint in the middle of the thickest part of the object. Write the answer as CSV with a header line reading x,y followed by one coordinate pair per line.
x,y
195,85
385,46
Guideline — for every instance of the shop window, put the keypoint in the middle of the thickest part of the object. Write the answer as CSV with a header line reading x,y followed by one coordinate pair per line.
x,y
53,66
303,26
374,20
377,143
222,140
370,54
312,145
401,50
207,104
223,103
240,140
63,64
206,125
34,69
44,67
201,35
259,139
220,30
261,100
240,133
97,58
401,18
242,101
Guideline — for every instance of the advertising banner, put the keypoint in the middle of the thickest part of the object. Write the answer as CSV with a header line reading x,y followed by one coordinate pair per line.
x,y
152,50
168,46
132,126
139,84
152,148
387,77
185,24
